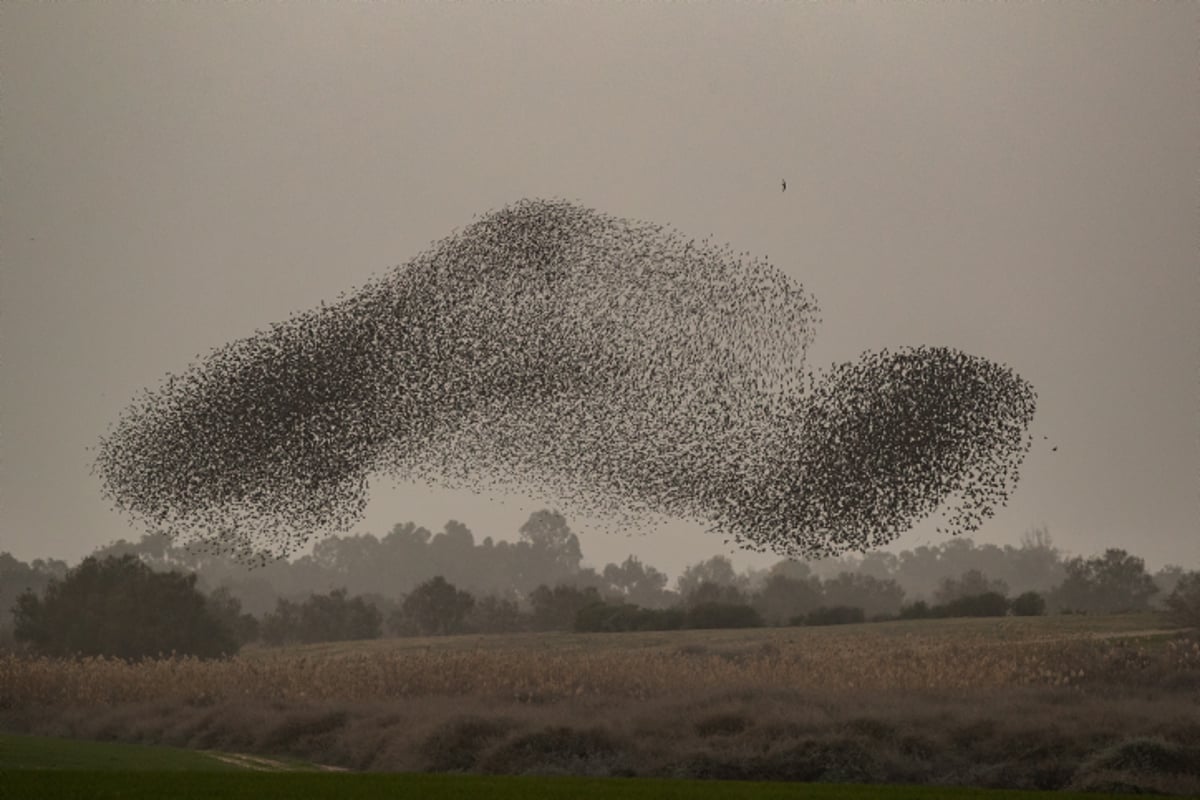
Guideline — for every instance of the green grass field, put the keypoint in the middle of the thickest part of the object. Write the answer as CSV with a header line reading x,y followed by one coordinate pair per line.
x,y
51,753
63,769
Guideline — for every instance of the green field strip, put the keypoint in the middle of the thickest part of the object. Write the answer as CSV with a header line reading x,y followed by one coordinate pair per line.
x,y
32,785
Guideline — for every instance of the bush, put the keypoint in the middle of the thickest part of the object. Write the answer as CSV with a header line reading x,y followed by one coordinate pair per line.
x,y
918,610
556,609
228,610
120,607
1029,604
832,615
435,608
988,604
1183,604
722,615
492,614
609,617
332,617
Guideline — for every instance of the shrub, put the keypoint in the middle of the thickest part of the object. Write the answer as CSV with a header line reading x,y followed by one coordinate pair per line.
x,y
455,745
610,617
120,607
556,748
988,604
722,615
833,615
436,608
1028,604
555,609
1183,604
492,614
918,610
228,610
332,617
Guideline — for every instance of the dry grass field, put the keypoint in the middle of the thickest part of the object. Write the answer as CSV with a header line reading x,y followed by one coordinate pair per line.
x,y
1054,702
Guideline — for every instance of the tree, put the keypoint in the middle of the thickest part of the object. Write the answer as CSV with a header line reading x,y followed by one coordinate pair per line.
x,y
120,607
555,609
1183,604
782,598
872,595
555,547
1109,584
832,615
722,615
493,614
638,583
228,610
333,617
712,592
437,607
1028,604
718,570
970,584
985,604
16,577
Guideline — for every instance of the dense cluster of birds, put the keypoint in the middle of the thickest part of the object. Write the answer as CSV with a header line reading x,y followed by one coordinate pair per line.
x,y
611,365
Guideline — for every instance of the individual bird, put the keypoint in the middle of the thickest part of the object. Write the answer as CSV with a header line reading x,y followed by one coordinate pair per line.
x,y
784,182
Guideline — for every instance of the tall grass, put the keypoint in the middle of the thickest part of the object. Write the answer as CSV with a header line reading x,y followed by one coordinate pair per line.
x,y
907,704
851,662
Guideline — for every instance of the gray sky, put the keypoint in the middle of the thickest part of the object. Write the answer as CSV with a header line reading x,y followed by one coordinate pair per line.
x,y
1015,180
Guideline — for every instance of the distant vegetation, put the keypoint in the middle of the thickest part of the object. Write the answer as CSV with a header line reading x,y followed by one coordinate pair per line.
x,y
414,583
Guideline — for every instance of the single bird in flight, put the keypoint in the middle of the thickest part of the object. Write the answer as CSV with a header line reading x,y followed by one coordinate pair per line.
x,y
784,182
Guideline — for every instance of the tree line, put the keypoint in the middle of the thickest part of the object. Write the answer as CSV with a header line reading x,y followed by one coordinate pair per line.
x,y
538,583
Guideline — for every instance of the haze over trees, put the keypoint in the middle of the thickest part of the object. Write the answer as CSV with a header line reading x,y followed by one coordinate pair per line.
x,y
415,582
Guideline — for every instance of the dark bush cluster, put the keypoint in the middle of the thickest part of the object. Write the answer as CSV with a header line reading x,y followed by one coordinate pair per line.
x,y
332,617
120,607
831,615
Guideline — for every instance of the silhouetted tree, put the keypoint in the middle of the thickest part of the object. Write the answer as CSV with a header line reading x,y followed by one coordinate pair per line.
x,y
709,592
437,607
971,583
717,570
555,609
17,577
872,595
555,549
120,607
332,617
985,604
832,615
782,598
1112,583
722,615
493,614
638,583
1183,604
228,610
1028,604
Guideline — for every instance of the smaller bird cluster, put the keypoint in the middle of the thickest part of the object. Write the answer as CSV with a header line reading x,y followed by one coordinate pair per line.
x,y
609,364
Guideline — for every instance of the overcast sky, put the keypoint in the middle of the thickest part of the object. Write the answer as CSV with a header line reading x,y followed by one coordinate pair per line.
x,y
1015,180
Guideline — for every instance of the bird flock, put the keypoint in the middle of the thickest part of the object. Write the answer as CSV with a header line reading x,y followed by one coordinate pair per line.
x,y
612,365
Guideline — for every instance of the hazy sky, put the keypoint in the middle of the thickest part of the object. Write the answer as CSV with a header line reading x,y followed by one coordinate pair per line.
x,y
1015,180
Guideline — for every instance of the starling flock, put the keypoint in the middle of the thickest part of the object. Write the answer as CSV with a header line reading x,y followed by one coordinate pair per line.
x,y
611,365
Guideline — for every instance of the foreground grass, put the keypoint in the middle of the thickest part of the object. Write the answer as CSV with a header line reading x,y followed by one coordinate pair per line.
x,y
1069,703
49,753
206,785
55,753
